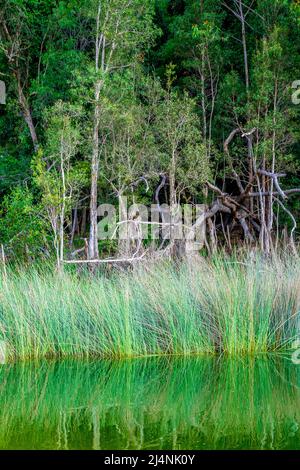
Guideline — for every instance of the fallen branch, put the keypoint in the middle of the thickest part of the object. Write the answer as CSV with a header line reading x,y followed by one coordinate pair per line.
x,y
104,261
287,192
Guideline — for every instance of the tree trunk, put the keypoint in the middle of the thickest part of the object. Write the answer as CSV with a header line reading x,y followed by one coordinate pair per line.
x,y
26,111
83,222
93,239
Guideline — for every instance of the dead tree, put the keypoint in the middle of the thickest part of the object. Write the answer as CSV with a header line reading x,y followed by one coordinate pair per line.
x,y
249,216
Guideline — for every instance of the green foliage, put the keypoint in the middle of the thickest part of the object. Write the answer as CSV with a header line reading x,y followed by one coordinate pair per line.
x,y
176,125
22,229
179,140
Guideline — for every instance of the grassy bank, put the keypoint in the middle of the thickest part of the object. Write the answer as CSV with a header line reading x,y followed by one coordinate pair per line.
x,y
212,307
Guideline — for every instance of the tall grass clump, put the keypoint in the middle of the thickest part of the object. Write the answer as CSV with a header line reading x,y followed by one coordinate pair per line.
x,y
220,306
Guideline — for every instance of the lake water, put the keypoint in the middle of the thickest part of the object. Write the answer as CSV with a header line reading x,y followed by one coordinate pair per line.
x,y
196,403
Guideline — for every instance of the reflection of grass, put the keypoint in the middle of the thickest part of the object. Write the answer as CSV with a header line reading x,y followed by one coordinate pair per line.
x,y
220,306
155,403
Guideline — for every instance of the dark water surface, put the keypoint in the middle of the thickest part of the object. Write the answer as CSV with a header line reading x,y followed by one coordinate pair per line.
x,y
196,403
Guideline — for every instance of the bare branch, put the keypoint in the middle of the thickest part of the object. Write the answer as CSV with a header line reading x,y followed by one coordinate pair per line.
x,y
274,177
287,192
230,138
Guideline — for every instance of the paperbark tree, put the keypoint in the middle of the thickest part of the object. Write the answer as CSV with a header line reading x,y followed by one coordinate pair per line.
x,y
120,32
55,172
182,157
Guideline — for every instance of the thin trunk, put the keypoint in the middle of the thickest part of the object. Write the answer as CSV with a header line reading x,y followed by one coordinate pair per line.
x,y
3,259
13,40
74,226
83,222
26,111
213,88
247,84
203,98
100,50
172,199
212,235
271,212
123,239
62,211
244,41
93,240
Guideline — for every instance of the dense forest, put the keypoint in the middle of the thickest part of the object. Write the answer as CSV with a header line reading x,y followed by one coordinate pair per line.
x,y
156,102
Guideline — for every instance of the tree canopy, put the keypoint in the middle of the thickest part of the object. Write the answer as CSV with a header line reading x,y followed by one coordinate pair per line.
x,y
159,101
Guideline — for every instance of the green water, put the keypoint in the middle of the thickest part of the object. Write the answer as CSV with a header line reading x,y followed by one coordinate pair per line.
x,y
203,403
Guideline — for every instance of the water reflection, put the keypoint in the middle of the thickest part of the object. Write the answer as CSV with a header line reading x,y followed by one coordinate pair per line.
x,y
196,403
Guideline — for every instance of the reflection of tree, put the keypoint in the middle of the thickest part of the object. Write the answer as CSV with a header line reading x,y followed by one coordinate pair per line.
x,y
194,403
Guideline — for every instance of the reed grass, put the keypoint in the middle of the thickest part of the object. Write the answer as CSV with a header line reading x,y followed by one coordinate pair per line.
x,y
220,306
